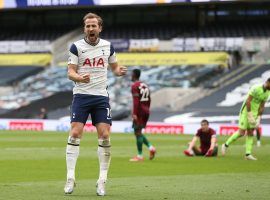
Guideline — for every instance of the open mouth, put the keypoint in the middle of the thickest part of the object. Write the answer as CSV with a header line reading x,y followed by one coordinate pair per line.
x,y
92,35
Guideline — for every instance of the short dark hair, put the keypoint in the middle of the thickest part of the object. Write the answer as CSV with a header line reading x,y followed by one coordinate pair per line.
x,y
137,73
268,80
93,15
205,121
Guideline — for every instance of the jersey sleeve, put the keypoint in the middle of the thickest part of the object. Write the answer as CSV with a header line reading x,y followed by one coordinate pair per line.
x,y
213,133
112,58
253,91
73,55
198,133
136,99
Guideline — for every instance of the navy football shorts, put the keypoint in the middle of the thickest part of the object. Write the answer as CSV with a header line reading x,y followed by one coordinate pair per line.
x,y
97,106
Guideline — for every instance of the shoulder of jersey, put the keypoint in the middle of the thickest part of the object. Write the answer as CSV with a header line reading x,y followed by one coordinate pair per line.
x,y
103,42
255,87
137,83
79,42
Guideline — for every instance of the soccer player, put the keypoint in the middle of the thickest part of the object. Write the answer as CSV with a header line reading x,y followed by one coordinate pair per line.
x,y
141,110
250,117
43,113
208,140
88,61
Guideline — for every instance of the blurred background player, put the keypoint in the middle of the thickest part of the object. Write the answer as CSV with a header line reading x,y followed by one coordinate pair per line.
x,y
208,142
43,113
141,110
250,117
90,56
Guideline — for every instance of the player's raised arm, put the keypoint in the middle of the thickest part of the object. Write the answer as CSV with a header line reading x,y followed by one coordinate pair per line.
x,y
74,76
118,70
73,62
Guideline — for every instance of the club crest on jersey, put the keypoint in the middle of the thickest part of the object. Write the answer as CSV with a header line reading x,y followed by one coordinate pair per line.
x,y
99,62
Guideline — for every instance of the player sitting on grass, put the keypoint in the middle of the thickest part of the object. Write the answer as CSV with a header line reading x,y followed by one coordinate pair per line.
x,y
208,142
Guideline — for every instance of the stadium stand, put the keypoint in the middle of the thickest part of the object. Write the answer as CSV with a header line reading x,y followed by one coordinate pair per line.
x,y
32,110
36,87
243,29
228,97
53,81
12,75
39,34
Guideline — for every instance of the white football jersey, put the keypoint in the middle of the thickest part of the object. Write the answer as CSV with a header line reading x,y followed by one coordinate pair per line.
x,y
93,60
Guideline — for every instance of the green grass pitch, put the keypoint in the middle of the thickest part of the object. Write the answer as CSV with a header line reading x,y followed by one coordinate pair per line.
x,y
32,167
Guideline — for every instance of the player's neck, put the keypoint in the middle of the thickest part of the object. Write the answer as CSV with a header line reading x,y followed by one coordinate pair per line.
x,y
92,43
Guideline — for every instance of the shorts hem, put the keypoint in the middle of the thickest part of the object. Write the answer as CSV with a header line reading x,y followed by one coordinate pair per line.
x,y
94,124
78,121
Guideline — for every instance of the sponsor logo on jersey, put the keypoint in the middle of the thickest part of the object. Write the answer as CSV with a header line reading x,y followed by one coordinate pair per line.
x,y
95,62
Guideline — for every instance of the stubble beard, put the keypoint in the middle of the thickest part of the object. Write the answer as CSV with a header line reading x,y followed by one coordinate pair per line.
x,y
93,40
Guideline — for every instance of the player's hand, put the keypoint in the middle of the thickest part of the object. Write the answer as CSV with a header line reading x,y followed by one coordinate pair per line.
x,y
85,78
258,121
122,70
251,119
209,153
134,117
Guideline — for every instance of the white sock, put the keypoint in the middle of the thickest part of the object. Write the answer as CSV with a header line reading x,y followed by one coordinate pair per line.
x,y
72,153
151,148
104,156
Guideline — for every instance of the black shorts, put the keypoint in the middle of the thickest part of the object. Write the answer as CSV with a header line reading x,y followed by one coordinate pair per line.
x,y
203,151
97,106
